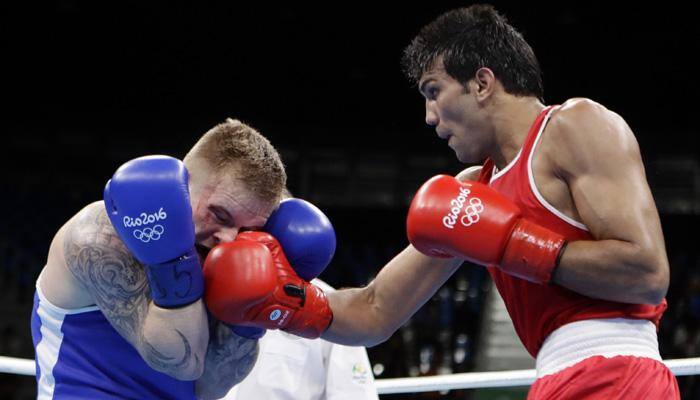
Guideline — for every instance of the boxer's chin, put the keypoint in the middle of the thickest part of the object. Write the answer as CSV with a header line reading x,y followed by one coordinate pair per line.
x,y
203,252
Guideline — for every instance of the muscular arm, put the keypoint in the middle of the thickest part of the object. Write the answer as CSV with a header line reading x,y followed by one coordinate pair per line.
x,y
229,359
370,315
599,159
172,341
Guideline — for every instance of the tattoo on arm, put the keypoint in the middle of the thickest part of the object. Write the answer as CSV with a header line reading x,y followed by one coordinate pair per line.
x,y
117,282
229,359
164,362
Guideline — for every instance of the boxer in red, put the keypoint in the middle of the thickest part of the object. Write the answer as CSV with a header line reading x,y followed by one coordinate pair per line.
x,y
560,213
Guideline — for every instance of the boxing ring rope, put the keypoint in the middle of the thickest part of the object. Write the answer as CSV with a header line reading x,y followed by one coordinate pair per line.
x,y
468,380
18,366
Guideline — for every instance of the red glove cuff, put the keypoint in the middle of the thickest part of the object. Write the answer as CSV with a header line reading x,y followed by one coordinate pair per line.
x,y
301,310
532,252
314,317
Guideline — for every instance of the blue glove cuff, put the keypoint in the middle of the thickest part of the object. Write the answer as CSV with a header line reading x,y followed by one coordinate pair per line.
x,y
249,332
178,282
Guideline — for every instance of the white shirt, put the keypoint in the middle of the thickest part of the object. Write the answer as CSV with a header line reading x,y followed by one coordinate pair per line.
x,y
294,368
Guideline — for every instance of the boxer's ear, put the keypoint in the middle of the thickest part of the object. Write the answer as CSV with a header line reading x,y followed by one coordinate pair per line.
x,y
484,83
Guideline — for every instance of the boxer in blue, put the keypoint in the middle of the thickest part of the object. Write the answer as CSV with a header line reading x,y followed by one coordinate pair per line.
x,y
119,310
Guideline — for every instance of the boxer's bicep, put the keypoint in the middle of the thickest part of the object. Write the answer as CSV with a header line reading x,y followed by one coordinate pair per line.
x,y
603,168
114,279
118,285
595,153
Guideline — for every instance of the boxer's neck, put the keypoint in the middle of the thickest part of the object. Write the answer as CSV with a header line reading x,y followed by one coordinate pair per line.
x,y
511,118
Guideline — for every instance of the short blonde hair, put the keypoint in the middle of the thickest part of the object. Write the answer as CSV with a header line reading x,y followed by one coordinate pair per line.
x,y
234,147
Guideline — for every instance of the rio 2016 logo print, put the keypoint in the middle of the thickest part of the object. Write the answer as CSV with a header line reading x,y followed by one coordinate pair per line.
x,y
471,211
146,234
144,219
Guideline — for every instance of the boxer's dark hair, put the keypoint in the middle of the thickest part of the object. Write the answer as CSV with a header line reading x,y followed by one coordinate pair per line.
x,y
471,38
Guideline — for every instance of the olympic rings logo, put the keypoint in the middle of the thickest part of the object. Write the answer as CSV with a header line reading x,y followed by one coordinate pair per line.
x,y
472,211
149,234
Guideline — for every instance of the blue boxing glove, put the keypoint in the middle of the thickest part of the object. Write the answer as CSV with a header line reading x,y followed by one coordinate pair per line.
x,y
148,202
306,235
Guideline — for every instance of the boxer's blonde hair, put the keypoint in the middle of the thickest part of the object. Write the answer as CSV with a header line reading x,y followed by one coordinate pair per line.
x,y
236,148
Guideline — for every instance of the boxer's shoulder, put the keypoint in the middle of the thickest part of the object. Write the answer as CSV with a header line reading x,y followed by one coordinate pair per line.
x,y
85,227
91,225
580,131
579,105
84,231
470,174
89,240
576,114
98,262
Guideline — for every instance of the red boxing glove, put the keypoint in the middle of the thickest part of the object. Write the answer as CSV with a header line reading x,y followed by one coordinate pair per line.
x,y
450,218
249,282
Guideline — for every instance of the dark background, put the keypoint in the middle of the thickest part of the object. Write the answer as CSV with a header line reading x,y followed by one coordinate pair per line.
x,y
89,85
